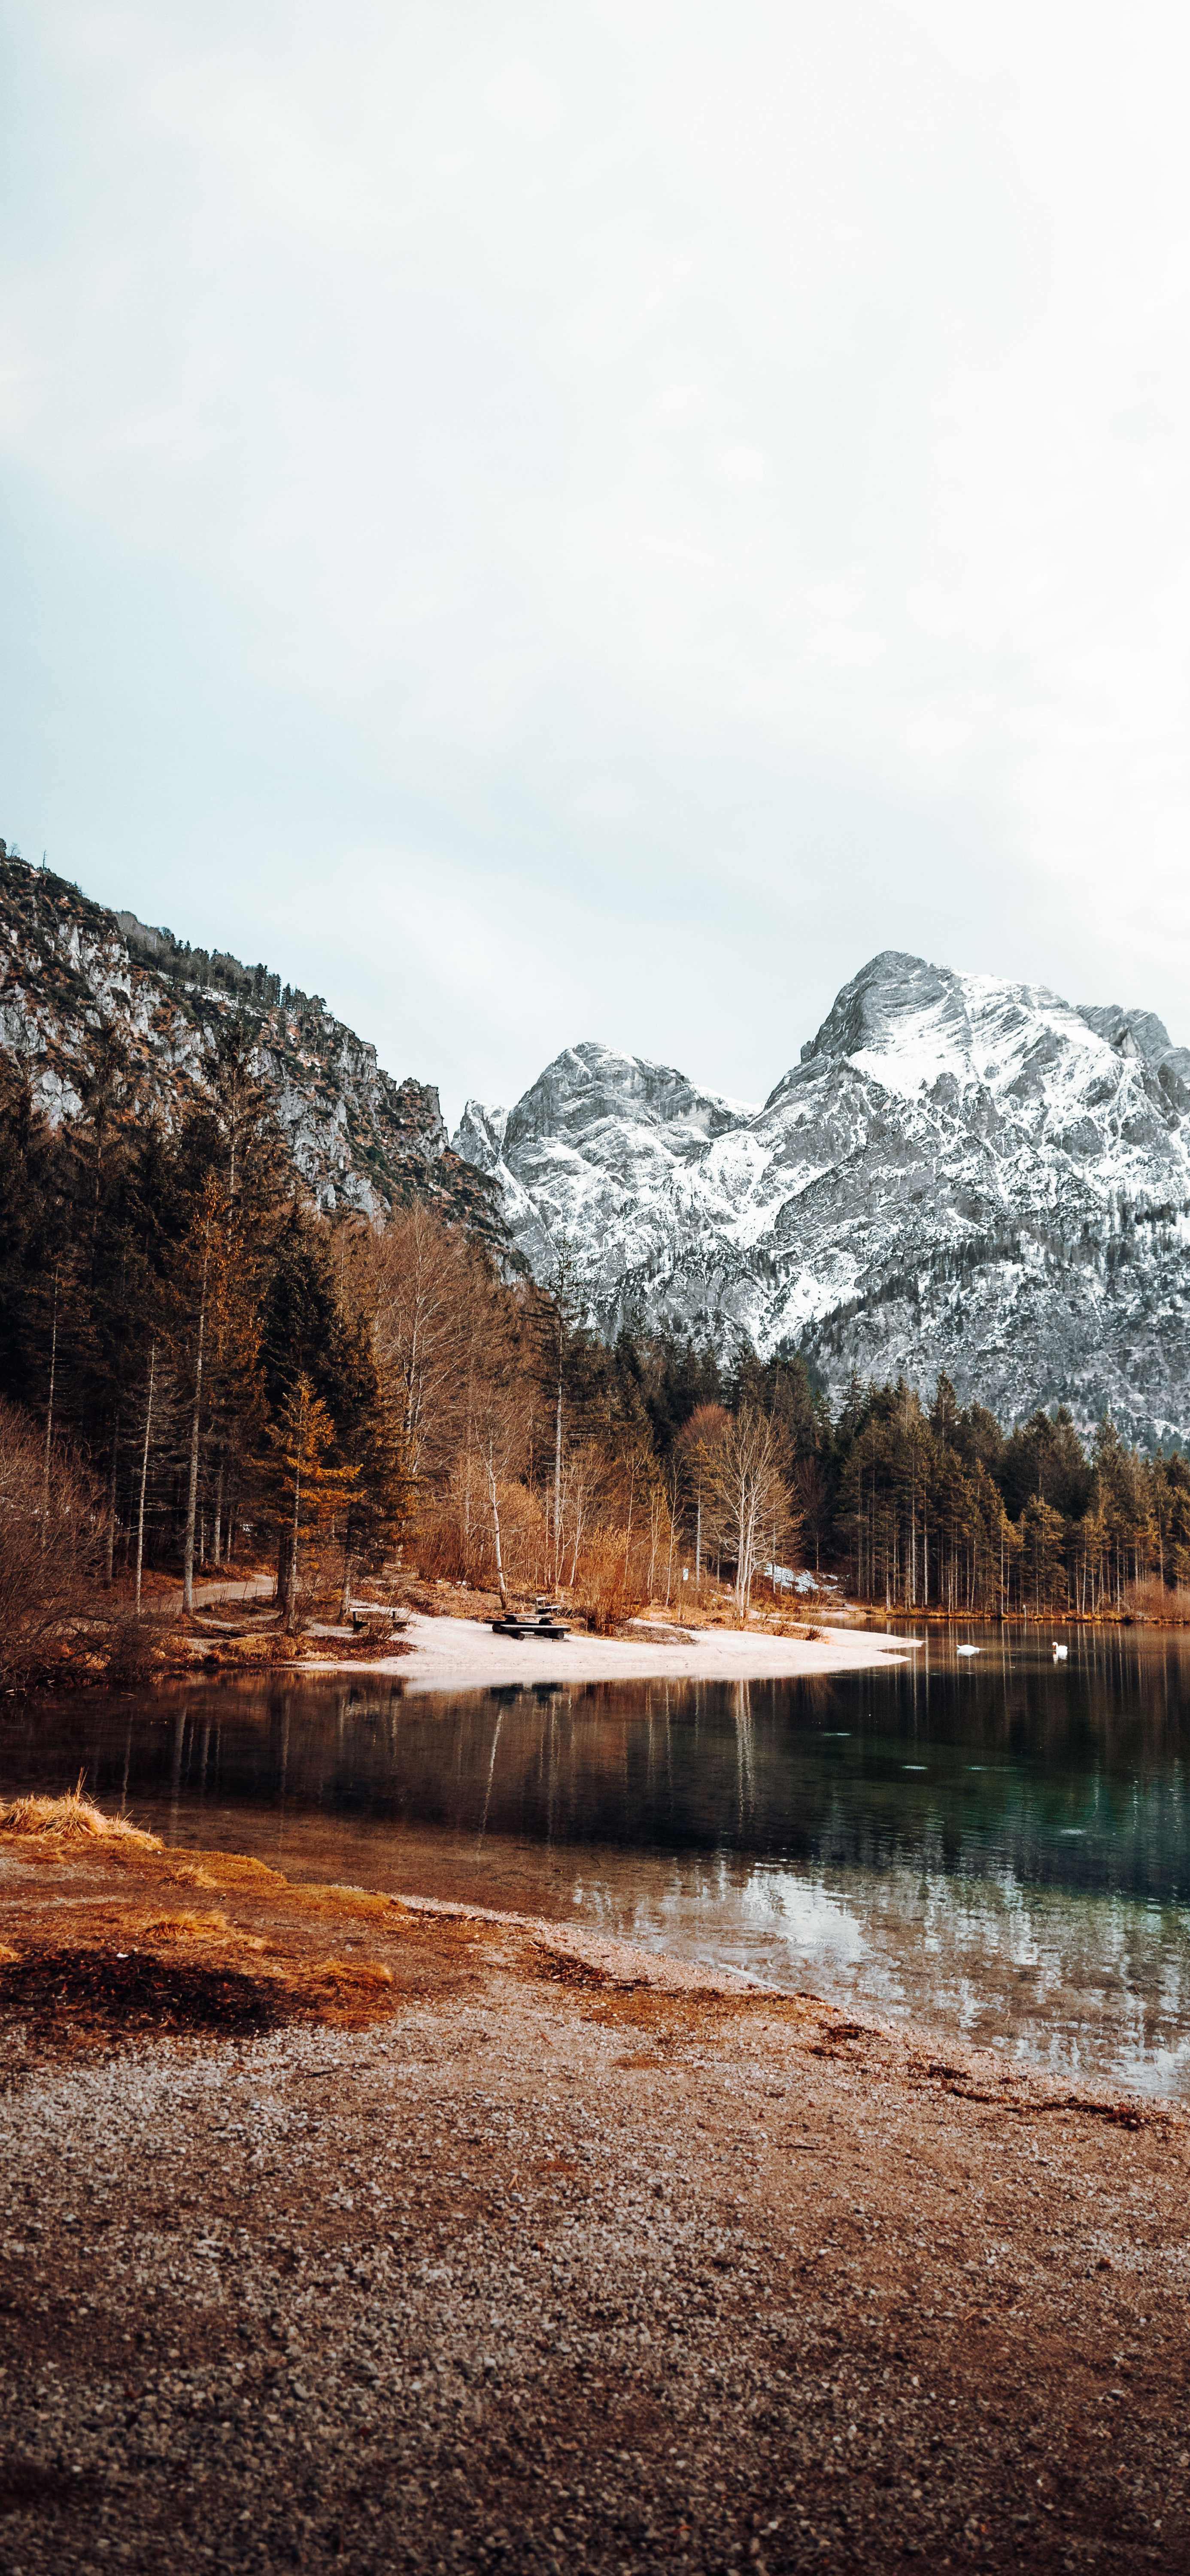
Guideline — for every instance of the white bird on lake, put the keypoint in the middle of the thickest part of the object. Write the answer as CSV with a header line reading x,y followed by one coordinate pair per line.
x,y
968,1650
1060,1653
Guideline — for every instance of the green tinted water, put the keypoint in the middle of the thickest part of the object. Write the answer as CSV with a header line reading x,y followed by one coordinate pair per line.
x,y
996,1843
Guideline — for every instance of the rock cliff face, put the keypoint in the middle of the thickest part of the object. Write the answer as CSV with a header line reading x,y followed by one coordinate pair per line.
x,y
959,1173
69,970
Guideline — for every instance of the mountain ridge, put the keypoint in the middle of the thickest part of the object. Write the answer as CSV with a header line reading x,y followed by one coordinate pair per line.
x,y
960,1172
74,973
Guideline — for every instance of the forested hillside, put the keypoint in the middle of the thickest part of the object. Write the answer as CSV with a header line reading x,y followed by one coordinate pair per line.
x,y
208,1353
223,1369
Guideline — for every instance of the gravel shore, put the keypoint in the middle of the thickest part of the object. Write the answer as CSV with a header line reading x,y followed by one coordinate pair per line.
x,y
341,2231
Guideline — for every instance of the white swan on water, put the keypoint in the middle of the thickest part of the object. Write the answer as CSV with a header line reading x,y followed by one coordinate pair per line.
x,y
968,1650
1060,1653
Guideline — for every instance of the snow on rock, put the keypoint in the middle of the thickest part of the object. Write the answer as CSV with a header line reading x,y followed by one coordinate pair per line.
x,y
960,1172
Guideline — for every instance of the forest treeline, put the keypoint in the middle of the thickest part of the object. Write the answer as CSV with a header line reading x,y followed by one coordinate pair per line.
x,y
213,1369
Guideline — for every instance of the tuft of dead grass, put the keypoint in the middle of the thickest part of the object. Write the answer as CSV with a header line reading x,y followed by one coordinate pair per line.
x,y
353,1973
171,1931
72,1818
358,1903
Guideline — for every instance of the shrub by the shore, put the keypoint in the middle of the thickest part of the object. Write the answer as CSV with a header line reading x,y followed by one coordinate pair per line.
x,y
52,1535
1166,1604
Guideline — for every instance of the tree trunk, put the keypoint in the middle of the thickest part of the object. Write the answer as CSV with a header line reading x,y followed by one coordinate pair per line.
x,y
144,1476
558,1489
579,1514
192,1494
291,1607
495,1503
49,1414
109,1574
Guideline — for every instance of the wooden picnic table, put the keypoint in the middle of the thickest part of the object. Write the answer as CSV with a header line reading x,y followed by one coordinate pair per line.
x,y
534,1623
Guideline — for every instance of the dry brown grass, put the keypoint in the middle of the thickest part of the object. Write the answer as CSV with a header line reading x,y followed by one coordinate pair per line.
x,y
356,1975
126,1970
358,1902
172,1931
72,1818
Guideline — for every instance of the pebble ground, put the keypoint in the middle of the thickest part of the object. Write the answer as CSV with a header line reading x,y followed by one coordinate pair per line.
x,y
564,2261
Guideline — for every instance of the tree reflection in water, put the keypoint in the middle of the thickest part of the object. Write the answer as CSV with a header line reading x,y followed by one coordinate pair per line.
x,y
997,1843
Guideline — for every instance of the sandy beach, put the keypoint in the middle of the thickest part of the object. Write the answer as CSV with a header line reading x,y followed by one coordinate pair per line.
x,y
463,1654
345,2231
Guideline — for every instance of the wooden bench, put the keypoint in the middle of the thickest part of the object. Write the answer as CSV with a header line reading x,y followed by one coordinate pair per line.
x,y
536,1624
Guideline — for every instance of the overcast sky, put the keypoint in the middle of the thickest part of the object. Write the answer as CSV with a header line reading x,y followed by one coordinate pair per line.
x,y
574,522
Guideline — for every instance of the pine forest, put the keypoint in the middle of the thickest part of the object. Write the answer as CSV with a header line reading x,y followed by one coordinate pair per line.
x,y
200,1369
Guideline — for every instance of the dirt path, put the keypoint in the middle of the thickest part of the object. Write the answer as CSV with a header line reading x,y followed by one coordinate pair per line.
x,y
341,2231
236,1587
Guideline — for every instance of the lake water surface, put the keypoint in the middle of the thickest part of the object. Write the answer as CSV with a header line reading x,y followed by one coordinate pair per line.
x,y
994,1844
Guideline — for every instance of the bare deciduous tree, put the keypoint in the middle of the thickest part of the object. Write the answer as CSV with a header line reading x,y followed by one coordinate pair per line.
x,y
750,1505
436,1317
585,1476
498,1437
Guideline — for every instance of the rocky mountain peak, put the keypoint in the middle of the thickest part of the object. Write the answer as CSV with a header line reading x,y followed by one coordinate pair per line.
x,y
961,1172
892,997
589,1086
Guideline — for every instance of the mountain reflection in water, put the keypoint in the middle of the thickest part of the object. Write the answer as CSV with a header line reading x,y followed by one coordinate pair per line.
x,y
997,1844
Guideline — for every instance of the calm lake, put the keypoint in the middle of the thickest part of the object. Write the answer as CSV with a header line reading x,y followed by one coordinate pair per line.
x,y
995,1844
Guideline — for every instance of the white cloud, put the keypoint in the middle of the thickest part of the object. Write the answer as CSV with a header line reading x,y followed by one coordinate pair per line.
x,y
524,99
673,499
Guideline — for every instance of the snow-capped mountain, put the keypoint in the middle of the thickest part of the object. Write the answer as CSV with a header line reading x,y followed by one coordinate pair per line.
x,y
959,1173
